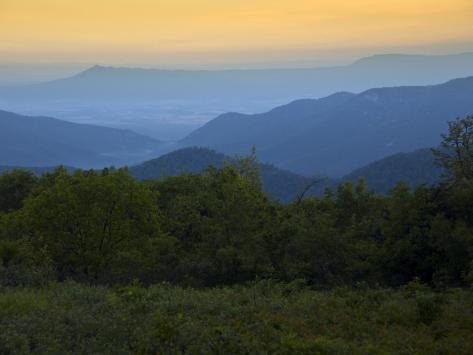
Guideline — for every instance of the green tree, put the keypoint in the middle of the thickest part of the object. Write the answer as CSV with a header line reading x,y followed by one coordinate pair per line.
x,y
221,219
455,154
407,249
91,222
15,186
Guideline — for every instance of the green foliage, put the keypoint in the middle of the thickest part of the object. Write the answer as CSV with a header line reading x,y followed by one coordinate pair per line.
x,y
15,186
91,222
277,183
219,228
261,318
456,150
221,219
87,261
414,168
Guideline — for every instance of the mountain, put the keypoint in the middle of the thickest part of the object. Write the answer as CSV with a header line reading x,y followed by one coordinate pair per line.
x,y
339,133
101,83
169,104
414,168
280,184
45,141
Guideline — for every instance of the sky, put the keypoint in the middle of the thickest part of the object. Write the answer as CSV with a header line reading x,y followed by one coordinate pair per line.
x,y
187,33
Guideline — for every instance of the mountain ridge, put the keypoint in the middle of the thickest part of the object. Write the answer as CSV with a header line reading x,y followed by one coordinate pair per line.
x,y
284,84
414,168
169,104
337,134
42,141
376,58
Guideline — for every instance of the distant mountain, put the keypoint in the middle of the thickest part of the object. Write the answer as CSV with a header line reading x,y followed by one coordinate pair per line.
x,y
339,133
187,160
45,141
282,185
414,168
278,183
169,104
110,84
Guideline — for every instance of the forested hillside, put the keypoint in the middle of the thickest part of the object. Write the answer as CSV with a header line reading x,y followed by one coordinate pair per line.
x,y
279,184
206,261
414,168
337,134
220,228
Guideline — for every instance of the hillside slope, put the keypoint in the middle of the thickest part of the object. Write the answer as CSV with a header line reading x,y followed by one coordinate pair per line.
x,y
280,184
341,132
45,141
414,168
170,104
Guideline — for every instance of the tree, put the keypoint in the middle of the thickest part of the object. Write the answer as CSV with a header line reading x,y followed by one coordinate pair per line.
x,y
90,222
14,188
221,219
455,154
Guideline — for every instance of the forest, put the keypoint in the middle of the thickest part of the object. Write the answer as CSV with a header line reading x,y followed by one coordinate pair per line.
x,y
98,262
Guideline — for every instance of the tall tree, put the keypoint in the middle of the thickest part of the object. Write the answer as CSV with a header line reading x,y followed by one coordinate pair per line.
x,y
455,154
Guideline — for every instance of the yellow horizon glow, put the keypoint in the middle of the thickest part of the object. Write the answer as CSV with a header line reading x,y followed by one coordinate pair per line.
x,y
100,28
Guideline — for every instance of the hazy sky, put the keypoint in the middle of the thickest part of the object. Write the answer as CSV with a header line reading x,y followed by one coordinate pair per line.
x,y
200,32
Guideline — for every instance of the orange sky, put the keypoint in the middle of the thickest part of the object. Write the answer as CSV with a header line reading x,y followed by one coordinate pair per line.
x,y
143,31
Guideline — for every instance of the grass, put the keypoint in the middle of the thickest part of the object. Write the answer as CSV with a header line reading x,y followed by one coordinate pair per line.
x,y
261,318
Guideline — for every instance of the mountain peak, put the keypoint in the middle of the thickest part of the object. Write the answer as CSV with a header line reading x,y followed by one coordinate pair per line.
x,y
94,70
411,59
388,58
97,67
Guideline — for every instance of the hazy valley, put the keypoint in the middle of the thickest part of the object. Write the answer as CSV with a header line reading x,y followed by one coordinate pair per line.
x,y
169,104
